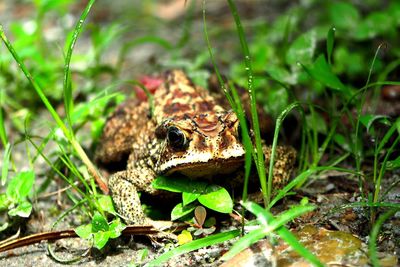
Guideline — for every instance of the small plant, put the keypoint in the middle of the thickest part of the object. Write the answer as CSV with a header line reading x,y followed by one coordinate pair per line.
x,y
201,226
140,258
213,197
267,224
99,231
15,199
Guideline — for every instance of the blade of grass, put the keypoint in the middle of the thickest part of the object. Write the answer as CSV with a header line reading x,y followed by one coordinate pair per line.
x,y
187,25
369,204
383,167
149,95
235,103
260,165
54,168
279,121
68,99
274,224
373,253
300,180
6,161
35,86
295,244
254,236
67,133
388,135
330,40
3,133
246,140
359,113
214,63
281,219
199,243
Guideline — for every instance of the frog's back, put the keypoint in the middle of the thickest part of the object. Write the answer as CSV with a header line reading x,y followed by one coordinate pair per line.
x,y
131,125
125,127
178,97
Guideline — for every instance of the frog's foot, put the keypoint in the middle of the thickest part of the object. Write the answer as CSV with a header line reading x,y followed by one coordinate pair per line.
x,y
126,199
165,229
285,157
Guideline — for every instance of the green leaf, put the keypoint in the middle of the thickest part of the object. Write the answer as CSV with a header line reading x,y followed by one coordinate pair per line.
x,y
277,100
84,231
316,122
281,74
344,15
23,209
394,11
189,197
179,211
99,223
3,226
369,119
210,222
389,133
142,255
100,239
83,111
116,227
217,198
106,204
20,186
196,244
393,164
4,202
348,62
302,49
321,72
342,141
49,5
376,23
330,40
175,184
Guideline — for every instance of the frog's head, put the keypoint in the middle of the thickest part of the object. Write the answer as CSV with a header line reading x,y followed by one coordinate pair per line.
x,y
202,145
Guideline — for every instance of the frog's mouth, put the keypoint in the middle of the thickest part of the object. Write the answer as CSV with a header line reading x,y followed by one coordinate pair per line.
x,y
206,169
203,164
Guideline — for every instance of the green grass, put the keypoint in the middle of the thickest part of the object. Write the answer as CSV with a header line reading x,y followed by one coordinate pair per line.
x,y
322,75
66,128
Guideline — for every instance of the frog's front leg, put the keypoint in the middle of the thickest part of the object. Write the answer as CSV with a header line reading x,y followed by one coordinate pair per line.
x,y
124,187
285,157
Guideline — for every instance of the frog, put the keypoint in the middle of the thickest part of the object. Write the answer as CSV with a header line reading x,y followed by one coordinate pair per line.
x,y
184,131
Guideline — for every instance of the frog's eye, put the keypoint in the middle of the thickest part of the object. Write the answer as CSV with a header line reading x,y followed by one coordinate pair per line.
x,y
176,138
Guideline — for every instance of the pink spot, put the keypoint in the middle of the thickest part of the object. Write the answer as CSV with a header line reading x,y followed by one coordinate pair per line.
x,y
151,83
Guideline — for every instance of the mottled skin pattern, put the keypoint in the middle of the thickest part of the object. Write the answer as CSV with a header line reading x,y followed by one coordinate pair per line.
x,y
189,133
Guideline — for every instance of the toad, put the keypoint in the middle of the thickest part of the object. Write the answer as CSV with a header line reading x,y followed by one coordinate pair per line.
x,y
189,133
